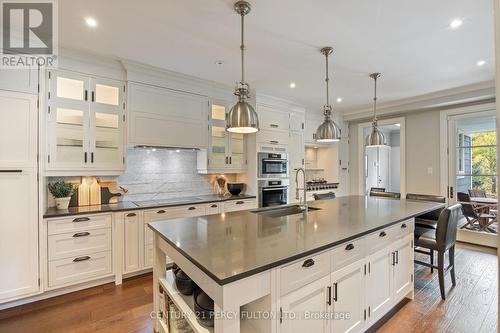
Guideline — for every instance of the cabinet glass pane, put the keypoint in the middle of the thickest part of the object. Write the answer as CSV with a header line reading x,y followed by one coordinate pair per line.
x,y
107,140
237,149
218,149
70,88
218,112
107,94
69,135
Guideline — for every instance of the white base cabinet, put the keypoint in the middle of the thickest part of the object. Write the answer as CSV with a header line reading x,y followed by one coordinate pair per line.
x,y
360,289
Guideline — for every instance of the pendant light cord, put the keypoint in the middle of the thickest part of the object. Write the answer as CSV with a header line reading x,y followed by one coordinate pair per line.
x,y
375,101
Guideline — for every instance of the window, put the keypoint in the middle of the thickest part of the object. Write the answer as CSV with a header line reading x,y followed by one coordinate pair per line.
x,y
461,154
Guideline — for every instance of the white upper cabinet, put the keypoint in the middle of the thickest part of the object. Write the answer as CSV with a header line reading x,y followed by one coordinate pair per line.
x,y
311,127
20,80
297,122
86,123
226,151
18,129
165,117
270,118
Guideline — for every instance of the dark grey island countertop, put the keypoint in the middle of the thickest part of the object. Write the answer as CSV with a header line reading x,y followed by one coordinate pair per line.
x,y
232,246
129,205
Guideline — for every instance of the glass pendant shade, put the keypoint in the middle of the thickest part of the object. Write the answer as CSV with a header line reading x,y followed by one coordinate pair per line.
x,y
242,118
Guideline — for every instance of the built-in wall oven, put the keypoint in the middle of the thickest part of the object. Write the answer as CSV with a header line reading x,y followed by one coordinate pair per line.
x,y
273,192
272,165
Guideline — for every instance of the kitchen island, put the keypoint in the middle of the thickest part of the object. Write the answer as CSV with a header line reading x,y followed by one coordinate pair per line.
x,y
342,265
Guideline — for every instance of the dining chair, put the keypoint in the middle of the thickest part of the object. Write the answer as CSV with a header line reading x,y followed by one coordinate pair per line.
x,y
324,196
474,212
377,189
477,193
442,239
427,220
393,195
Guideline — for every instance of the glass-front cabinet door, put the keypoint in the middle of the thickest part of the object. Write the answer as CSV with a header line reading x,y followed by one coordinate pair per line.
x,y
69,140
227,150
86,121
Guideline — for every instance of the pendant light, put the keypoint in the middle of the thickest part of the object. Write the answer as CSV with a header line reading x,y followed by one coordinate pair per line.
x,y
242,118
375,138
328,131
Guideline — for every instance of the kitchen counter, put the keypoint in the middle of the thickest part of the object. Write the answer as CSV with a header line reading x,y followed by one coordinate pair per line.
x,y
232,246
128,205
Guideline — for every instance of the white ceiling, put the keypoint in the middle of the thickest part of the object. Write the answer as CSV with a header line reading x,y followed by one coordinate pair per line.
x,y
408,41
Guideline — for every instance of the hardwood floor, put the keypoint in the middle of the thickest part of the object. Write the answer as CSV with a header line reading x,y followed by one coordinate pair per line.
x,y
470,307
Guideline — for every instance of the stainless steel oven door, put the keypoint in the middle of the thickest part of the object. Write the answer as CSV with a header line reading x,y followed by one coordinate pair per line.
x,y
273,196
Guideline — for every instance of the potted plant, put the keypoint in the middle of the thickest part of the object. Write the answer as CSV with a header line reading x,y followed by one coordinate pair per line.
x,y
62,192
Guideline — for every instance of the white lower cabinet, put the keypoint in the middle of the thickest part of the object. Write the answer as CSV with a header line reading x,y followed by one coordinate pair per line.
x,y
348,298
299,308
379,284
79,249
132,225
360,289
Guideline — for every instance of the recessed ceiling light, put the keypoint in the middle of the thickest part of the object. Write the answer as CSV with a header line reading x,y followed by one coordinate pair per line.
x,y
91,22
339,100
481,63
292,85
456,23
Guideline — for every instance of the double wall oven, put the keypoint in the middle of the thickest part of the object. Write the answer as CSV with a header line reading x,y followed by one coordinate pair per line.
x,y
273,179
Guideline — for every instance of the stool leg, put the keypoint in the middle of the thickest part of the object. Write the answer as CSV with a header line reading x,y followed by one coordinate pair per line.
x,y
441,273
451,254
432,261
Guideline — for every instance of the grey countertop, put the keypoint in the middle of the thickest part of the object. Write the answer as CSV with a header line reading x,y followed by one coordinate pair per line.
x,y
231,246
127,205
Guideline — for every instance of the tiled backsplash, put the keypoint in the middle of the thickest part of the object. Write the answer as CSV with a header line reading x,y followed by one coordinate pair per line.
x,y
156,174
162,174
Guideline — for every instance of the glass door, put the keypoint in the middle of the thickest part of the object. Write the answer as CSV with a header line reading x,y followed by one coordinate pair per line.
x,y
237,158
473,178
218,154
68,88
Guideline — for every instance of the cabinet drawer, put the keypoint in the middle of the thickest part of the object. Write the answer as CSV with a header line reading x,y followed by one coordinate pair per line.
x,y
214,208
402,229
273,137
304,271
78,244
161,214
348,253
79,269
381,238
78,223
235,205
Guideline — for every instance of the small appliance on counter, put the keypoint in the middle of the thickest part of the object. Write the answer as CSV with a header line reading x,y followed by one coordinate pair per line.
x,y
273,192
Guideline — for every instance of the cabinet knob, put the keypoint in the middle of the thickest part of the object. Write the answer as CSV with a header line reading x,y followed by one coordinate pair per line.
x,y
382,234
308,263
403,226
131,214
192,208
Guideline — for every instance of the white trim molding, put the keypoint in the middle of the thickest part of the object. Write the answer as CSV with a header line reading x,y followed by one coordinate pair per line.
x,y
402,158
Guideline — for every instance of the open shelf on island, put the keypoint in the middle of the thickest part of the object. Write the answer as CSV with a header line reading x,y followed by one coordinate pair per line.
x,y
184,303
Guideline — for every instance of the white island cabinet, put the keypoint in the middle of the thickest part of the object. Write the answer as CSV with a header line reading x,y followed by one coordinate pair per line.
x,y
343,289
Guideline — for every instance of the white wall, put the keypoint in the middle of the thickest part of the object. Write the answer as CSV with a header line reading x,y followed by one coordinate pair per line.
x,y
422,153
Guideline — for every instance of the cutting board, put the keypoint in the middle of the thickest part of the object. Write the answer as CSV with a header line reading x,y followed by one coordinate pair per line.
x,y
83,193
95,192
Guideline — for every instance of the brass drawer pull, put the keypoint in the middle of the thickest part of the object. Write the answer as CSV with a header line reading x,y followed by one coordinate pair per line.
x,y
382,234
349,247
214,206
240,202
160,212
192,208
131,214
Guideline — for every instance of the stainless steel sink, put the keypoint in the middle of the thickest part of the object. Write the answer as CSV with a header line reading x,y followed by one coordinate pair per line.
x,y
284,211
